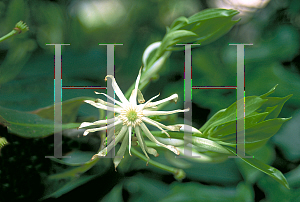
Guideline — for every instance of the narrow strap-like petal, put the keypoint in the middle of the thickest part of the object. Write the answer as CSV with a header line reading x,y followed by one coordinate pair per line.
x,y
121,152
132,98
104,151
152,104
148,149
151,113
152,138
106,103
184,128
150,121
100,122
101,128
117,90
129,132
171,128
101,106
112,99
142,106
141,142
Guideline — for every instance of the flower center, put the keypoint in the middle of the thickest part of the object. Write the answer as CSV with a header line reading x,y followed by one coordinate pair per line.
x,y
131,116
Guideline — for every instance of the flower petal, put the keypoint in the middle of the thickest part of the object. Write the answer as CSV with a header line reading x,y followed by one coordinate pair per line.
x,y
142,106
101,106
117,89
148,149
101,128
152,138
141,142
151,113
153,104
171,128
129,132
112,99
105,103
104,151
132,98
183,127
105,121
150,121
121,152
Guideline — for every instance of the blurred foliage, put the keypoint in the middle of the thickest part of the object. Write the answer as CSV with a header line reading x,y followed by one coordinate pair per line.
x,y
26,84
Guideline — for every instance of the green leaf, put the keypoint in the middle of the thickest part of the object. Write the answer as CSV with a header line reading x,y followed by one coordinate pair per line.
x,y
16,58
230,127
261,131
203,27
219,27
192,191
252,103
29,125
271,171
215,117
114,195
69,110
77,158
67,180
65,187
175,37
179,22
266,154
73,171
273,192
272,90
274,101
211,14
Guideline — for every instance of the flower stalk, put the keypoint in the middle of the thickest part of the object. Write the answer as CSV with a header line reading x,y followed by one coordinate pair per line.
x,y
19,28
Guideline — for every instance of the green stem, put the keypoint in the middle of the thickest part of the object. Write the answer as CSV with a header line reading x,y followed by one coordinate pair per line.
x,y
10,34
20,27
179,174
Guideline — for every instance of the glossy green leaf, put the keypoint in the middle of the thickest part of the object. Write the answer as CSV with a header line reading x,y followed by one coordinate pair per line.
x,y
252,103
69,110
29,125
269,170
203,27
266,154
219,27
179,22
230,127
215,117
274,101
261,131
77,158
175,37
211,14
272,90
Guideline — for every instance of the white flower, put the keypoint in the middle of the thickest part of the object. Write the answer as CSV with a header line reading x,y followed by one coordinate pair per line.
x,y
131,118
